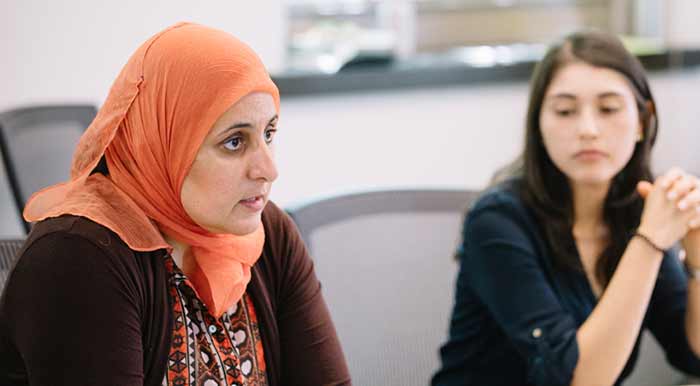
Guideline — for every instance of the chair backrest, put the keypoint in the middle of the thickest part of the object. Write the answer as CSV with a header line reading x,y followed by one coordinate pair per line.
x,y
37,145
11,223
8,254
652,368
385,260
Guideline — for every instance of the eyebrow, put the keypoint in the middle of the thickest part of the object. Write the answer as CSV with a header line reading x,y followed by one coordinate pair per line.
x,y
564,95
244,125
609,94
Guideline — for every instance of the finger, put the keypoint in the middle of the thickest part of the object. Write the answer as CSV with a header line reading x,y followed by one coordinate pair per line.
x,y
669,177
644,188
694,213
694,223
681,187
690,201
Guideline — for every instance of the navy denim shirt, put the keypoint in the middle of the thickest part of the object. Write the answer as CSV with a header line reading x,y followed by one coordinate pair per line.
x,y
515,318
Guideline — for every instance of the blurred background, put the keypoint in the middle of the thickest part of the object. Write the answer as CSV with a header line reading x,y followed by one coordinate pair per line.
x,y
397,94
375,94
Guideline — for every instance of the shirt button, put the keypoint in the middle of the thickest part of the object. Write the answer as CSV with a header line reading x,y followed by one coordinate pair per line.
x,y
536,333
212,329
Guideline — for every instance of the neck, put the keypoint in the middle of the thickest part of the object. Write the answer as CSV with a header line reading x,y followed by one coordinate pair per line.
x,y
588,204
180,250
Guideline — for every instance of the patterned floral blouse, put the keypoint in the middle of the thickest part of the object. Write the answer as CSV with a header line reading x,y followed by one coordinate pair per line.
x,y
212,352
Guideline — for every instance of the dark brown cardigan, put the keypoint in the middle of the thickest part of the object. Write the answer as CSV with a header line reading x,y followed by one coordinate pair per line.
x,y
81,308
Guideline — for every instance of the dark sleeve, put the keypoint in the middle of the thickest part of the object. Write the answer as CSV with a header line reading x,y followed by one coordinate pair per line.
x,y
310,350
499,262
666,315
73,316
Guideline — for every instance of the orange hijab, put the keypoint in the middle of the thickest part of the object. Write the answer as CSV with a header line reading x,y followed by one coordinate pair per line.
x,y
156,116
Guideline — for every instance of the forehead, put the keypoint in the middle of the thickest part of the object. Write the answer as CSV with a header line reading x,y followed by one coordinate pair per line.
x,y
253,108
582,79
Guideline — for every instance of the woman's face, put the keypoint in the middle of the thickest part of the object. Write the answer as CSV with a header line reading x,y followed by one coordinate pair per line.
x,y
589,123
230,179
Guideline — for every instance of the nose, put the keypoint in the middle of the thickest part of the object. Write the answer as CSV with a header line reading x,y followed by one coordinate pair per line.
x,y
588,125
262,164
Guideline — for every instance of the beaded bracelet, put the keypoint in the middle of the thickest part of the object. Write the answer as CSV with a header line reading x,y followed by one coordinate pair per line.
x,y
648,241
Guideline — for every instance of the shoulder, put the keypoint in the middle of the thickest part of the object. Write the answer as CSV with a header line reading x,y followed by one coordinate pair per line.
x,y
504,199
71,259
501,217
72,230
64,243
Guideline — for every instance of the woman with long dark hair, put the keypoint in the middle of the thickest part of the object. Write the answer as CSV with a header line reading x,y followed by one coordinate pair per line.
x,y
570,256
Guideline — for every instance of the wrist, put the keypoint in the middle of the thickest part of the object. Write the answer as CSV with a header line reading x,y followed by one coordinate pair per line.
x,y
649,241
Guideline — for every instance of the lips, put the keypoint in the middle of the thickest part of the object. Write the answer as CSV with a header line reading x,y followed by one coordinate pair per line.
x,y
590,154
255,203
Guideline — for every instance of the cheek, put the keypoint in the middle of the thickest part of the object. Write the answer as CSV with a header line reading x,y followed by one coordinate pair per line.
x,y
556,142
210,190
626,136
213,183
194,196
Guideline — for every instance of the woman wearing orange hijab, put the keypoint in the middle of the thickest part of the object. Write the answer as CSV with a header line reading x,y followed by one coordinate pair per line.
x,y
161,260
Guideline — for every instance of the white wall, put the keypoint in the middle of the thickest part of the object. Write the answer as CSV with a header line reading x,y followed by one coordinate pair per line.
x,y
681,27
71,50
449,137
432,138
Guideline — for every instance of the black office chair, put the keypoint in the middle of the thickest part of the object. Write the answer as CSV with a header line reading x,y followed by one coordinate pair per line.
x,y
8,254
37,145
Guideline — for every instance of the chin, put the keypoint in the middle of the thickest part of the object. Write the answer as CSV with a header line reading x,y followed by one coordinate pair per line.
x,y
244,227
592,179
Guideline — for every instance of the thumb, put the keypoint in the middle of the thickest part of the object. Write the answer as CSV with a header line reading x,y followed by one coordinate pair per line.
x,y
644,187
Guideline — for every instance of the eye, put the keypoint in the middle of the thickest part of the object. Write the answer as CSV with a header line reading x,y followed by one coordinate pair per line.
x,y
233,143
564,112
270,134
609,109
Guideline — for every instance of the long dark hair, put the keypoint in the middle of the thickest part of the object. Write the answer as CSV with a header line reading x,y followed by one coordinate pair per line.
x,y
545,189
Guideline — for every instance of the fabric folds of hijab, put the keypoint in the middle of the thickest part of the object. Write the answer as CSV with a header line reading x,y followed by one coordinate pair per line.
x,y
156,116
